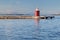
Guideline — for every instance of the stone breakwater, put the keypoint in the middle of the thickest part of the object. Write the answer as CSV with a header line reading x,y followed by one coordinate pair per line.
x,y
23,17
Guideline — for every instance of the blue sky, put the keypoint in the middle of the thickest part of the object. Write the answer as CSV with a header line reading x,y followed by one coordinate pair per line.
x,y
27,6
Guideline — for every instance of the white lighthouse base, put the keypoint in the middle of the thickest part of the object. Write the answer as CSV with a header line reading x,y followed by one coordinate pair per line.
x,y
36,16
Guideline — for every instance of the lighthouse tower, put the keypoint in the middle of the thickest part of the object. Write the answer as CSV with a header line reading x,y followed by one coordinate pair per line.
x,y
37,12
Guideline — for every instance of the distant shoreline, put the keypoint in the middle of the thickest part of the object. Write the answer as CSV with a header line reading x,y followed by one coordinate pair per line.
x,y
56,14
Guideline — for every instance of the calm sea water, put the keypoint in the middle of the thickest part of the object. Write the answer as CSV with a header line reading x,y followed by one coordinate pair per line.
x,y
30,29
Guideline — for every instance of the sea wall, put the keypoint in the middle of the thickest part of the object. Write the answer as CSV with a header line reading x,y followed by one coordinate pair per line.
x,y
15,17
23,17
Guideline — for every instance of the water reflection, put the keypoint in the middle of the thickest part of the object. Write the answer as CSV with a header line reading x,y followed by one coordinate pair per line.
x,y
37,21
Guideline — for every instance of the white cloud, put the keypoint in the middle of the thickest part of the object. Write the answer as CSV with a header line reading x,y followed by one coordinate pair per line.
x,y
20,11
50,11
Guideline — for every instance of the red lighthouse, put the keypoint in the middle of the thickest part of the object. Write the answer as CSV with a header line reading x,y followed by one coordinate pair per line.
x,y
37,12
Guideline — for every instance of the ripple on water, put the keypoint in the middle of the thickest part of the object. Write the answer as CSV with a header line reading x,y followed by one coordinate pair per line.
x,y
27,30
